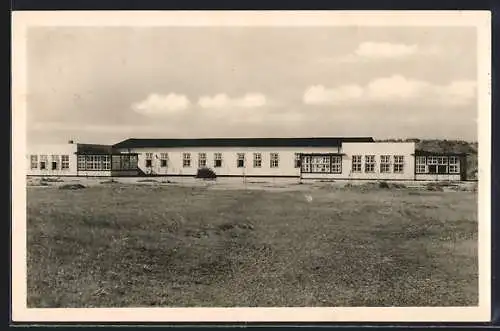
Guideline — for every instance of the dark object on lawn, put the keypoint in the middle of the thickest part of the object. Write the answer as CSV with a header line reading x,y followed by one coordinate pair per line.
x,y
383,185
71,187
51,180
111,181
206,173
147,181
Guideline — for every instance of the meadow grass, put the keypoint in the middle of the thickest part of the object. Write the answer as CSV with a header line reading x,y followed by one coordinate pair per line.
x,y
135,246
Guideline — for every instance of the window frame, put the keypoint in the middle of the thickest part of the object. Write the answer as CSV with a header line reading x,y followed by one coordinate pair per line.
x,y
33,162
218,160
385,164
297,160
257,160
370,163
64,162
356,163
202,160
163,160
186,160
454,165
274,160
240,160
399,163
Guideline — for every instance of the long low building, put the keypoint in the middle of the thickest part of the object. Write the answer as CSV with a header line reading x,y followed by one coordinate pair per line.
x,y
307,158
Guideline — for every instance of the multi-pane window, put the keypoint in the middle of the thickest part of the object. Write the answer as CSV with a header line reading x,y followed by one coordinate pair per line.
x,y
257,160
297,160
106,162
33,161
81,162
149,160
124,162
454,165
163,160
202,160
356,163
240,163
217,160
274,162
43,162
385,163
320,164
442,164
93,162
306,164
64,162
337,164
369,163
398,163
55,162
186,160
432,162
421,166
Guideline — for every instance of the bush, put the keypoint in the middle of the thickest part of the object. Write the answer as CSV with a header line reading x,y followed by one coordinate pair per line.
x,y
383,185
71,187
206,173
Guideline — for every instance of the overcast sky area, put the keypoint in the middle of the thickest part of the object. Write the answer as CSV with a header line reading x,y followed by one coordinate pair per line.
x,y
103,85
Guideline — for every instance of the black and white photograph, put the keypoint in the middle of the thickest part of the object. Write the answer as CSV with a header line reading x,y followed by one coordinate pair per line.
x,y
251,166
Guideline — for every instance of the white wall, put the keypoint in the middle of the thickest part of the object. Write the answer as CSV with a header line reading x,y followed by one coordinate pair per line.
x,y
379,148
438,177
229,160
49,150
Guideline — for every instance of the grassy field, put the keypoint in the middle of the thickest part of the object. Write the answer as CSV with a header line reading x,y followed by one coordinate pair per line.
x,y
131,245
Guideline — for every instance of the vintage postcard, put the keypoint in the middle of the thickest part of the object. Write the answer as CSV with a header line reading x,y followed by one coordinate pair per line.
x,y
293,166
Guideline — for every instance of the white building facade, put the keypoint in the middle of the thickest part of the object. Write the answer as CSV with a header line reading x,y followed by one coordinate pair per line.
x,y
359,158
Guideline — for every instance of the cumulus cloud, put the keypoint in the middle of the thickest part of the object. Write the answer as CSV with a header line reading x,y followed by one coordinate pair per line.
x,y
395,88
249,100
371,51
158,104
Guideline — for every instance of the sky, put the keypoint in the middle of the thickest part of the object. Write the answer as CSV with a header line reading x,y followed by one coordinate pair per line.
x,y
107,84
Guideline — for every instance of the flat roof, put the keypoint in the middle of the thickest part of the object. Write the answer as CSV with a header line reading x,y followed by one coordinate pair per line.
x,y
240,142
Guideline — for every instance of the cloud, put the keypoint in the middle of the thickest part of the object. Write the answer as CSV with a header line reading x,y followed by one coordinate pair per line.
x,y
158,104
394,88
249,100
372,51
384,50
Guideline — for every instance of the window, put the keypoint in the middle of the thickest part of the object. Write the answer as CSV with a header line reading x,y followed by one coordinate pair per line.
x,y
421,165
64,162
320,164
149,160
33,161
442,164
125,162
306,164
369,163
55,162
297,160
454,165
93,162
398,163
337,164
106,162
43,162
217,160
274,160
163,160
385,163
356,163
432,162
202,160
241,160
257,160
81,162
186,160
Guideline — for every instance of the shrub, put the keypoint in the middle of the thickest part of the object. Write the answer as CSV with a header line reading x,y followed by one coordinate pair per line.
x,y
383,184
71,187
206,173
